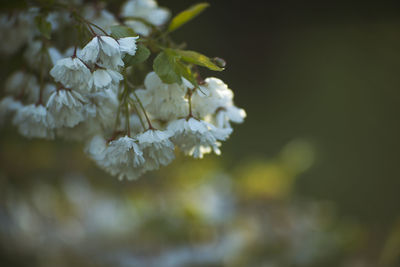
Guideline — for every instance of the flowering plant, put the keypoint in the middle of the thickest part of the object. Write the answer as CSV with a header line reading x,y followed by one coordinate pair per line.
x,y
118,83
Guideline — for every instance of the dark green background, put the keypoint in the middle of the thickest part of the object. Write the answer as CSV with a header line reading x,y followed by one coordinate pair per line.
x,y
327,72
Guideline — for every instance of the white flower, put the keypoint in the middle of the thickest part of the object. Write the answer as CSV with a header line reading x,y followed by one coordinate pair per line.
x,y
147,10
32,121
54,55
105,106
189,85
163,101
218,104
128,45
102,50
37,55
72,73
58,19
49,88
8,105
105,78
135,124
99,114
17,29
122,157
101,17
23,84
196,138
227,114
96,147
139,27
33,52
65,108
157,148
219,96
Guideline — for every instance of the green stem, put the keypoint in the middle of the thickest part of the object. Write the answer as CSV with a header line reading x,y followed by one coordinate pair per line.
x,y
190,93
127,122
118,118
144,110
41,75
98,27
132,102
125,102
88,23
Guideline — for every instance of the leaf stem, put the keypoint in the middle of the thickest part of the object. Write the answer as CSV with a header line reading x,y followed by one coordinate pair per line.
x,y
144,111
189,94
125,102
118,118
41,75
137,112
127,122
96,26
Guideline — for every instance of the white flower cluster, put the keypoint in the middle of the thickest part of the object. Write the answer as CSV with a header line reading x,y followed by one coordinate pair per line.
x,y
17,30
167,106
141,14
212,111
87,98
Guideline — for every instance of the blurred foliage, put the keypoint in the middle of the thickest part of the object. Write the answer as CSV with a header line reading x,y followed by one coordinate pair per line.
x,y
191,213
59,210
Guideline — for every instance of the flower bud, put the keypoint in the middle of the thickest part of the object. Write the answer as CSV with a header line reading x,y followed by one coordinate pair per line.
x,y
220,62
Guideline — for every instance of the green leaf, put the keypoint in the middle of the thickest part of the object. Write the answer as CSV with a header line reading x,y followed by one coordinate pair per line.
x,y
166,67
186,16
198,59
119,31
43,25
186,72
142,53
82,34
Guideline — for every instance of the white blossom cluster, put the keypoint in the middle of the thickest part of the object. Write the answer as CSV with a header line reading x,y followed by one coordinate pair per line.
x,y
141,14
86,98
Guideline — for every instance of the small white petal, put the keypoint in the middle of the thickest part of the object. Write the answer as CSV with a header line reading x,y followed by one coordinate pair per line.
x,y
91,51
122,157
65,108
109,46
72,73
128,45
196,138
101,79
157,148
32,121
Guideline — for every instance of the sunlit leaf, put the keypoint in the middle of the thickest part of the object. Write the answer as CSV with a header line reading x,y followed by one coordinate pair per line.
x,y
198,59
186,16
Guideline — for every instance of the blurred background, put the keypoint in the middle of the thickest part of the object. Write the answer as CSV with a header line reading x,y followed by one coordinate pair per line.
x,y
310,179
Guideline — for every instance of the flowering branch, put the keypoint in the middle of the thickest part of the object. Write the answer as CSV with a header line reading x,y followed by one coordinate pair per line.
x,y
97,94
